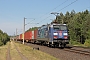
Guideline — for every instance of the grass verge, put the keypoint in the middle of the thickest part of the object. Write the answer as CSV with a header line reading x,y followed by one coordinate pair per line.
x,y
13,52
3,51
34,54
25,50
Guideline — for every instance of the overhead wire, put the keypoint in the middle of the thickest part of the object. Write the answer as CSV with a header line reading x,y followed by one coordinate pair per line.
x,y
59,10
67,5
63,8
52,10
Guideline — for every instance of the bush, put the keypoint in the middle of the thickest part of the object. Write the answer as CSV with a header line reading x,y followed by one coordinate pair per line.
x,y
1,43
74,42
4,38
87,42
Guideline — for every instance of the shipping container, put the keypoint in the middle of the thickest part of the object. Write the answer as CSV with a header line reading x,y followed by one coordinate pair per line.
x,y
28,36
32,34
20,37
35,34
17,37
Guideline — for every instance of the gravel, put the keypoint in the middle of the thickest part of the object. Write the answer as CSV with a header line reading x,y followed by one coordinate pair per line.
x,y
60,53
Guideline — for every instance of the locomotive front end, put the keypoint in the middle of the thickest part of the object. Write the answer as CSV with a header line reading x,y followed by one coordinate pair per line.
x,y
60,34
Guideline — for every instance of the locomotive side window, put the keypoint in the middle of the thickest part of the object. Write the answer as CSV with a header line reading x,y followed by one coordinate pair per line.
x,y
56,27
60,27
63,27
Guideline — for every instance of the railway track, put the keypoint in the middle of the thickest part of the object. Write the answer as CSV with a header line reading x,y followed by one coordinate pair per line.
x,y
59,53
84,52
79,50
76,49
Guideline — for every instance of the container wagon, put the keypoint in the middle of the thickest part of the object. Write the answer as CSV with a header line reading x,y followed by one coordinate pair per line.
x,y
28,36
31,36
20,37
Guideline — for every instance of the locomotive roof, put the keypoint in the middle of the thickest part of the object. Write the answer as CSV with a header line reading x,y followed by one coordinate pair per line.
x,y
49,25
58,24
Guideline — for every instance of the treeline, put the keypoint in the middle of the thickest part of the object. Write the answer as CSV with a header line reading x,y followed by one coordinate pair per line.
x,y
4,38
33,28
78,25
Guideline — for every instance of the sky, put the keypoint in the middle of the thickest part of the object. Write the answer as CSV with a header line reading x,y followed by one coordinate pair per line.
x,y
12,12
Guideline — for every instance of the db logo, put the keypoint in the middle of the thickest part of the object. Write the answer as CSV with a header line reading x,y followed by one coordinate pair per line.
x,y
60,33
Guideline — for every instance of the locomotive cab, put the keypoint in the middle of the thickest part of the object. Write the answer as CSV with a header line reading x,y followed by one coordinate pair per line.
x,y
59,34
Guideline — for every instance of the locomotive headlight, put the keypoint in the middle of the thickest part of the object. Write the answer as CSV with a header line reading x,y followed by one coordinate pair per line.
x,y
55,33
65,34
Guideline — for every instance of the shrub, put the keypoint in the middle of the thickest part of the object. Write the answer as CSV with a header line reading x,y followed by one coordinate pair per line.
x,y
1,43
74,42
87,42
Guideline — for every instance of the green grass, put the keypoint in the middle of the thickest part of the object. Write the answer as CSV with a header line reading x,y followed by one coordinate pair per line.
x,y
3,51
13,52
75,43
25,50
87,43
34,54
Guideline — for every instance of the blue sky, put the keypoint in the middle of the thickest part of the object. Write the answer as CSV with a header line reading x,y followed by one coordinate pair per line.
x,y
12,12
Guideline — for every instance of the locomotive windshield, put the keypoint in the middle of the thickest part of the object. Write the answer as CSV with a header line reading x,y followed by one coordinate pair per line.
x,y
60,27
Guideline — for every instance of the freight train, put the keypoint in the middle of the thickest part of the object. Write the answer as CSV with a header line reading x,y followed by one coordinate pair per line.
x,y
51,34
